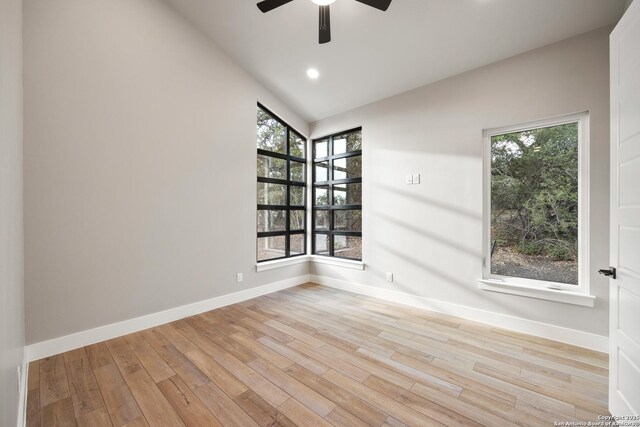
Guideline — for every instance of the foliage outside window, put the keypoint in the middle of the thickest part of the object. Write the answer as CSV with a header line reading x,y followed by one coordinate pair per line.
x,y
337,195
535,211
281,171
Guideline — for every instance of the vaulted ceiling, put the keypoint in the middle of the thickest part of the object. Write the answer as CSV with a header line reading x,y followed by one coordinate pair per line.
x,y
377,54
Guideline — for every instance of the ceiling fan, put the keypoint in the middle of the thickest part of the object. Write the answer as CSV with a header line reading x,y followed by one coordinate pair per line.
x,y
325,20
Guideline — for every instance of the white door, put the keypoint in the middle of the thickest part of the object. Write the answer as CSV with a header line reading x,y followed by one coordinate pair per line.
x,y
624,353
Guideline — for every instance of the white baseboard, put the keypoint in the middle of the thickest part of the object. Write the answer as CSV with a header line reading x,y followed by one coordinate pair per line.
x,y
69,342
22,399
80,339
544,330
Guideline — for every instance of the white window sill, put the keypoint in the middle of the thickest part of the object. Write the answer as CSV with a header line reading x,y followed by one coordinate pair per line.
x,y
347,263
279,263
318,259
567,297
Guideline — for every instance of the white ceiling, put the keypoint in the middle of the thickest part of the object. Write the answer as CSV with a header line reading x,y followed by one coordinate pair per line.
x,y
376,54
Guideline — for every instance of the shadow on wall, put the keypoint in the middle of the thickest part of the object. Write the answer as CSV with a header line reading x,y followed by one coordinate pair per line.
x,y
461,285
431,202
428,235
446,278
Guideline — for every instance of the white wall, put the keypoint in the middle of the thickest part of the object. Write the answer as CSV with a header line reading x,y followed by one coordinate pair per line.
x,y
430,235
11,265
139,165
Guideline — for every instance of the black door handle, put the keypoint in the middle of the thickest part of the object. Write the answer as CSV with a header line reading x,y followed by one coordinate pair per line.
x,y
611,272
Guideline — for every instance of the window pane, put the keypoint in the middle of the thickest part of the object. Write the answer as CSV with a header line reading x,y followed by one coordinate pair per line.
x,y
270,167
285,201
271,247
322,220
322,244
347,194
347,220
347,247
347,143
321,196
272,135
297,171
296,145
269,220
349,167
296,220
272,194
321,171
296,197
534,204
321,148
296,244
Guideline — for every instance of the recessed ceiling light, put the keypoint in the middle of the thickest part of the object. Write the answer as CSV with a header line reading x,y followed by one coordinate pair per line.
x,y
313,73
323,2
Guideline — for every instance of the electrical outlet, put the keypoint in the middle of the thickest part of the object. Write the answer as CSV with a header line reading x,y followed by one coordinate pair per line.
x,y
239,277
389,277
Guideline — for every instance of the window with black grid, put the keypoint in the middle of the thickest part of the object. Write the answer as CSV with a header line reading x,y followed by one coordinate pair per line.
x,y
281,171
337,195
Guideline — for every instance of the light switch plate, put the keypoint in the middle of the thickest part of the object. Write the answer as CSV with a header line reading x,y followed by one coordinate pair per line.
x,y
409,179
416,178
239,277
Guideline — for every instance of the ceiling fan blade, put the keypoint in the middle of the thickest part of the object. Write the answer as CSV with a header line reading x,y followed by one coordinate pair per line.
x,y
325,25
378,4
267,5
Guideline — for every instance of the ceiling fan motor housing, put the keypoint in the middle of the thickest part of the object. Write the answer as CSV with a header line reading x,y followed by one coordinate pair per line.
x,y
325,14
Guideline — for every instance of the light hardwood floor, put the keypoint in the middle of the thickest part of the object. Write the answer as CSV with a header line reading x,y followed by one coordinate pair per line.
x,y
315,356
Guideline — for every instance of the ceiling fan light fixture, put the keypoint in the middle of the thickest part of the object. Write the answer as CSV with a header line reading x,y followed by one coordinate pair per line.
x,y
323,2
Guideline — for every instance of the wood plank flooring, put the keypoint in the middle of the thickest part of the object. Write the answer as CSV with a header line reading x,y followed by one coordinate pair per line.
x,y
315,356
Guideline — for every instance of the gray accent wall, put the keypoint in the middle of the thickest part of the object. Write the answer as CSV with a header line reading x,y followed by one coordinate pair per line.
x,y
11,248
140,165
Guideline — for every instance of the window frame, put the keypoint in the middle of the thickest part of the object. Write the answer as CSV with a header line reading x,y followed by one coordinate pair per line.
x,y
530,287
288,183
331,207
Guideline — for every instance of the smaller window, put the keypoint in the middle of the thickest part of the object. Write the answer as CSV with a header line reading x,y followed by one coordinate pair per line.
x,y
337,195
536,193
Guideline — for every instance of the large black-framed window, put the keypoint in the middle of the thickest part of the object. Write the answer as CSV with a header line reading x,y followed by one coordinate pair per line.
x,y
281,171
337,195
